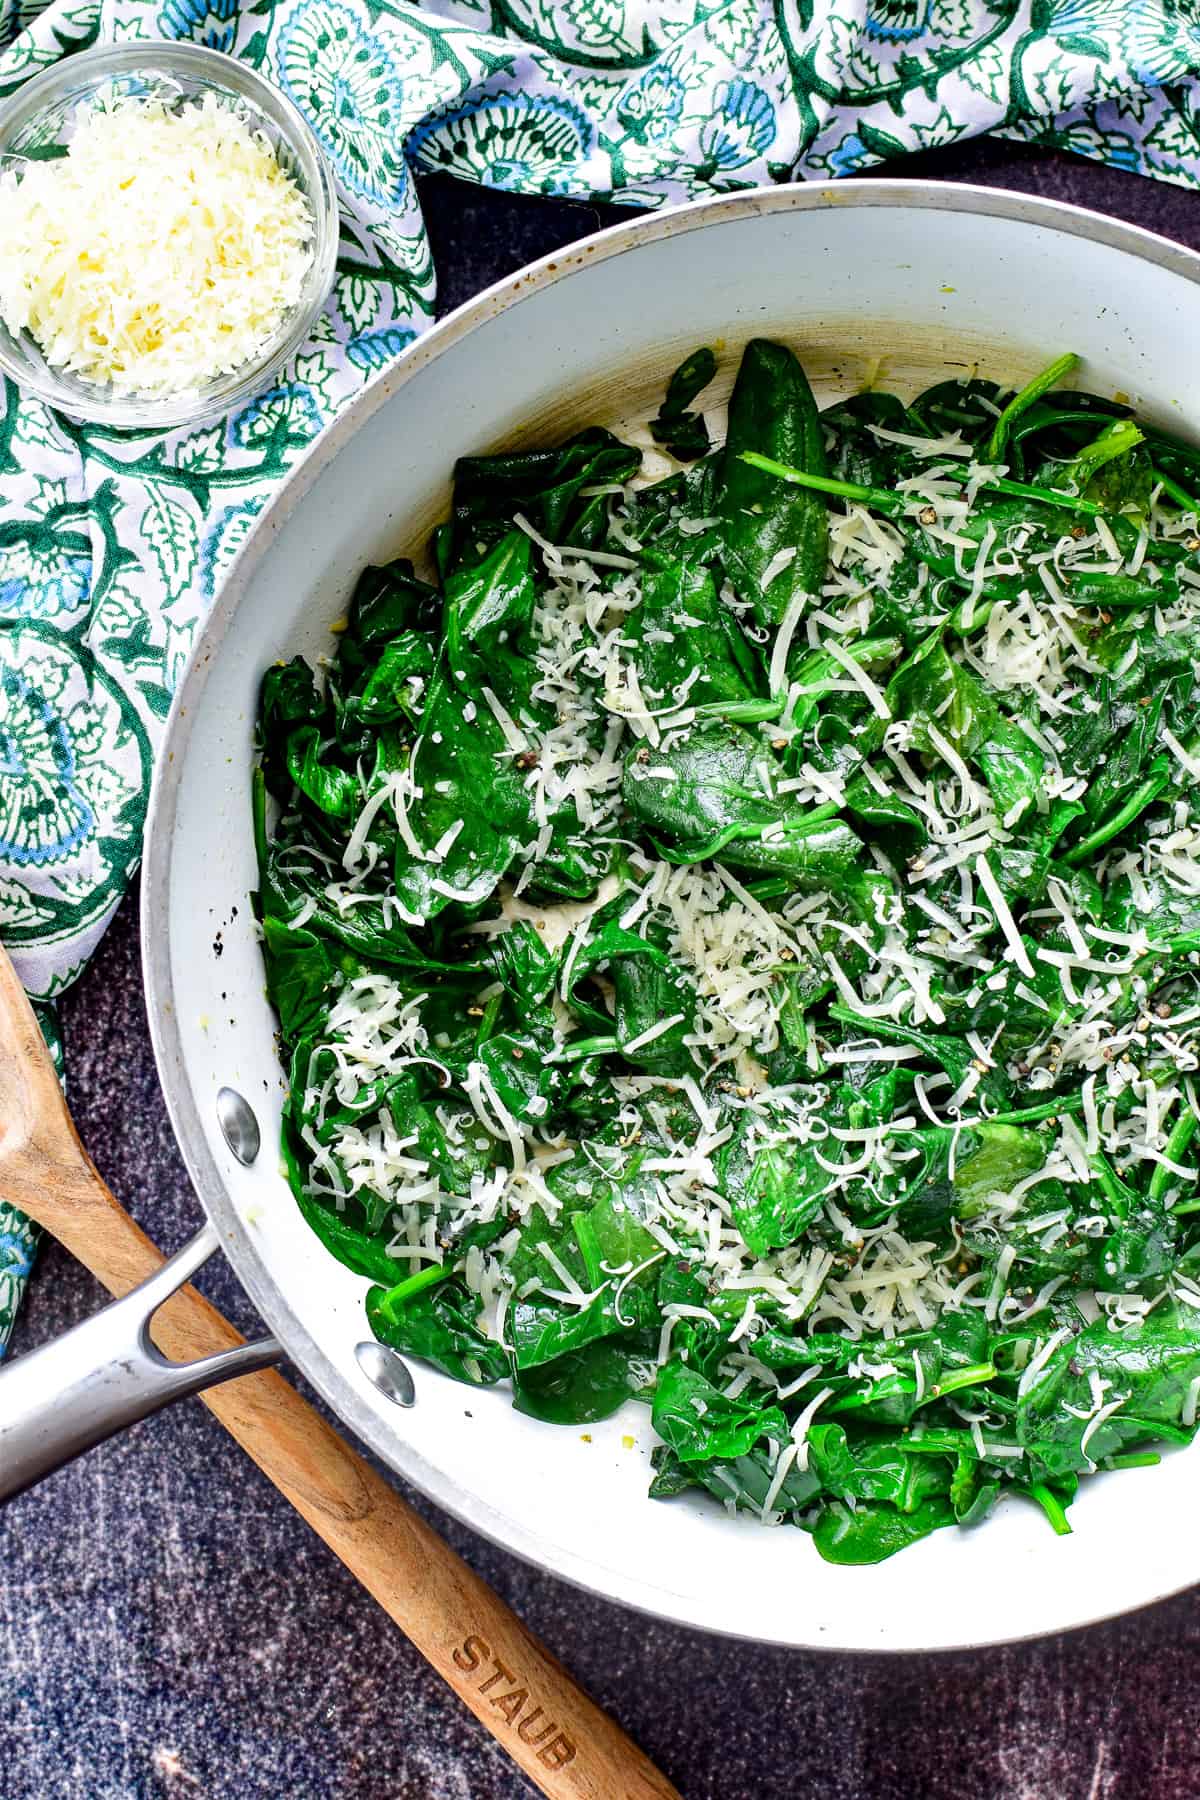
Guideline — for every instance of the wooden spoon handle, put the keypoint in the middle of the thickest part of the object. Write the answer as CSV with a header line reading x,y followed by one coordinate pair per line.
x,y
524,1697
561,1739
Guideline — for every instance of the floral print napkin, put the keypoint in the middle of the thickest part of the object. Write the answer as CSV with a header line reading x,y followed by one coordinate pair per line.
x,y
112,545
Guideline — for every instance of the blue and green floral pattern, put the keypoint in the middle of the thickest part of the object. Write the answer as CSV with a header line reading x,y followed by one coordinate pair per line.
x,y
112,547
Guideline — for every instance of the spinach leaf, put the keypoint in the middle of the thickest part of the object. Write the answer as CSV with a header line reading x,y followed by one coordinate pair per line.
x,y
736,944
685,433
495,595
690,645
547,486
438,1324
300,974
713,795
775,1189
772,412
745,1482
583,1385
872,1533
696,1421
1142,1374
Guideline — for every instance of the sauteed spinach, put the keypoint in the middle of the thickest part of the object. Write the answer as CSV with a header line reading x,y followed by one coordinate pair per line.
x,y
736,943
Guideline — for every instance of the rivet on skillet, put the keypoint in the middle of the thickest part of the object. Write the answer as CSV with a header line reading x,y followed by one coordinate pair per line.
x,y
239,1127
387,1370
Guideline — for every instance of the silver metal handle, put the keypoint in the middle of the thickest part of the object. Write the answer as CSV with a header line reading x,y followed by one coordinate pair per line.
x,y
60,1400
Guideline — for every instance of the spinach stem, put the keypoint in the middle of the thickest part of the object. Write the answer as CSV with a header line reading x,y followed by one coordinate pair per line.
x,y
939,1443
487,1023
743,712
579,1048
1182,1133
1021,490
1026,1115
1118,438
1138,801
258,802
968,617
1053,1508
1021,401
1029,1115
413,1284
881,498
971,1376
1111,1185
1173,491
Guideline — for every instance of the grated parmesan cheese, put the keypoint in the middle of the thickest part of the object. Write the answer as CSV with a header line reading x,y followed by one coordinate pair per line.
x,y
864,1272
163,250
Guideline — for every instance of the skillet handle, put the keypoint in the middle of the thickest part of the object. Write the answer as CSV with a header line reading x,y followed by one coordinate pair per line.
x,y
106,1373
60,1400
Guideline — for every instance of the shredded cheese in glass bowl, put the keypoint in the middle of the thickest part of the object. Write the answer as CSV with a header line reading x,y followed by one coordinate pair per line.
x,y
168,232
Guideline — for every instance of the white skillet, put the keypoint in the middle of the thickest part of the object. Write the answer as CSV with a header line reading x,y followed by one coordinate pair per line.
x,y
899,282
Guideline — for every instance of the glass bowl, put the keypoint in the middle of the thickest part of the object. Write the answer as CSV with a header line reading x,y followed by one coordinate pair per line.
x,y
42,113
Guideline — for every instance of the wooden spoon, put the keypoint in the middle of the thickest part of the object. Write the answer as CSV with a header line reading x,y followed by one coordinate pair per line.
x,y
564,1743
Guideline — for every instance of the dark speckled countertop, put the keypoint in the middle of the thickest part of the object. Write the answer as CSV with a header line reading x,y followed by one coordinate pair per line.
x,y
169,1628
